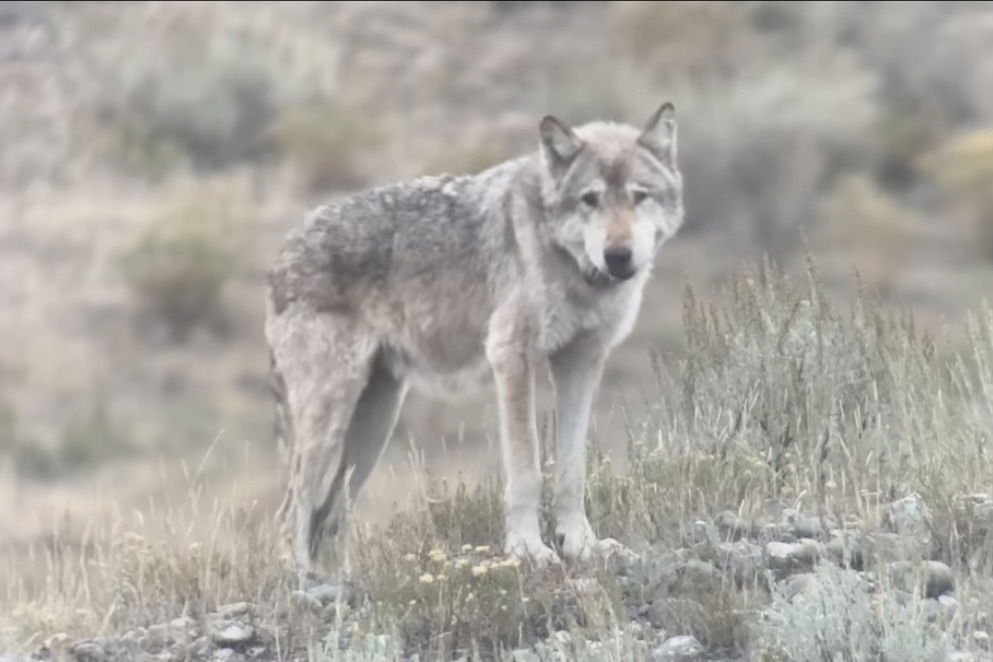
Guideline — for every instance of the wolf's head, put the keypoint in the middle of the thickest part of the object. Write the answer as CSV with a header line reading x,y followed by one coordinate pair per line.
x,y
613,193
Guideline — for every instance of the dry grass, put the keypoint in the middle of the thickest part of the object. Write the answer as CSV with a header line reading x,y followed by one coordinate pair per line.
x,y
780,398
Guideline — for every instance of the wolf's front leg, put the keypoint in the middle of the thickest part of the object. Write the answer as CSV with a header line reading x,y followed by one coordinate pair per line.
x,y
576,372
514,378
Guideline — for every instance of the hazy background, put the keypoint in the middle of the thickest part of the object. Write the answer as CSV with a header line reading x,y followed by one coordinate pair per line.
x,y
153,155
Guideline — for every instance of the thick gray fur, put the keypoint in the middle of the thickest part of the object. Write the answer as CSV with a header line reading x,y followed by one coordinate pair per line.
x,y
452,282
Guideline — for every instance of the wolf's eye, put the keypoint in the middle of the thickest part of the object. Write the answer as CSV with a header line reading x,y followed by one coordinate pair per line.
x,y
590,199
639,197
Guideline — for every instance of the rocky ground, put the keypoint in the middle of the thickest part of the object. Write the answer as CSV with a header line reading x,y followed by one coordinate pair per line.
x,y
781,551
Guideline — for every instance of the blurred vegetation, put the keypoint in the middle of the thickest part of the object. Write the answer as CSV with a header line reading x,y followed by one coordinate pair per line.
x,y
328,144
872,228
208,101
964,168
186,252
90,436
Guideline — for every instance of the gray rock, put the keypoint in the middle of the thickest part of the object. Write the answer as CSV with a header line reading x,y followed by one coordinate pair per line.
x,y
909,515
960,656
734,527
89,651
788,557
845,548
807,527
256,652
742,559
227,655
683,648
934,577
231,632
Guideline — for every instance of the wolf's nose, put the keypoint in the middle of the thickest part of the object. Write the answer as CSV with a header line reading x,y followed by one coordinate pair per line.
x,y
618,261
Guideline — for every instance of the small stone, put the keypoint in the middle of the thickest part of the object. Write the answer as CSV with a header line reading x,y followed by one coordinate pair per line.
x,y
806,527
935,577
787,557
684,648
228,633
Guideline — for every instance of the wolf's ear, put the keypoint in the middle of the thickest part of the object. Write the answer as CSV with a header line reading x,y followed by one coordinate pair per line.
x,y
559,144
659,135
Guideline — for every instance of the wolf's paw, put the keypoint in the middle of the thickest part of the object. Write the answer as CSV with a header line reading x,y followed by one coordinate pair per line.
x,y
578,542
531,550
576,539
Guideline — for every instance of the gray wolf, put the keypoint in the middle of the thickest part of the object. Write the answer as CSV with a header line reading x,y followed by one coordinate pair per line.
x,y
450,282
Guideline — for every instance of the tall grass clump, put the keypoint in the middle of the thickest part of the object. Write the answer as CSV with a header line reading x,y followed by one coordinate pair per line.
x,y
783,394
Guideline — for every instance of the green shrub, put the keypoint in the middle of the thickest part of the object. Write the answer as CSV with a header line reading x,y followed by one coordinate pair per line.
x,y
964,169
188,93
866,224
181,259
90,437
327,144
840,618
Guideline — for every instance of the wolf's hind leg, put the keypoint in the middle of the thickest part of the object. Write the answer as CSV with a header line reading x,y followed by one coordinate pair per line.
x,y
325,363
373,419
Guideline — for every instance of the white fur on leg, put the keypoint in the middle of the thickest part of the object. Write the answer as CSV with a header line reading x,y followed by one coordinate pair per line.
x,y
523,535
